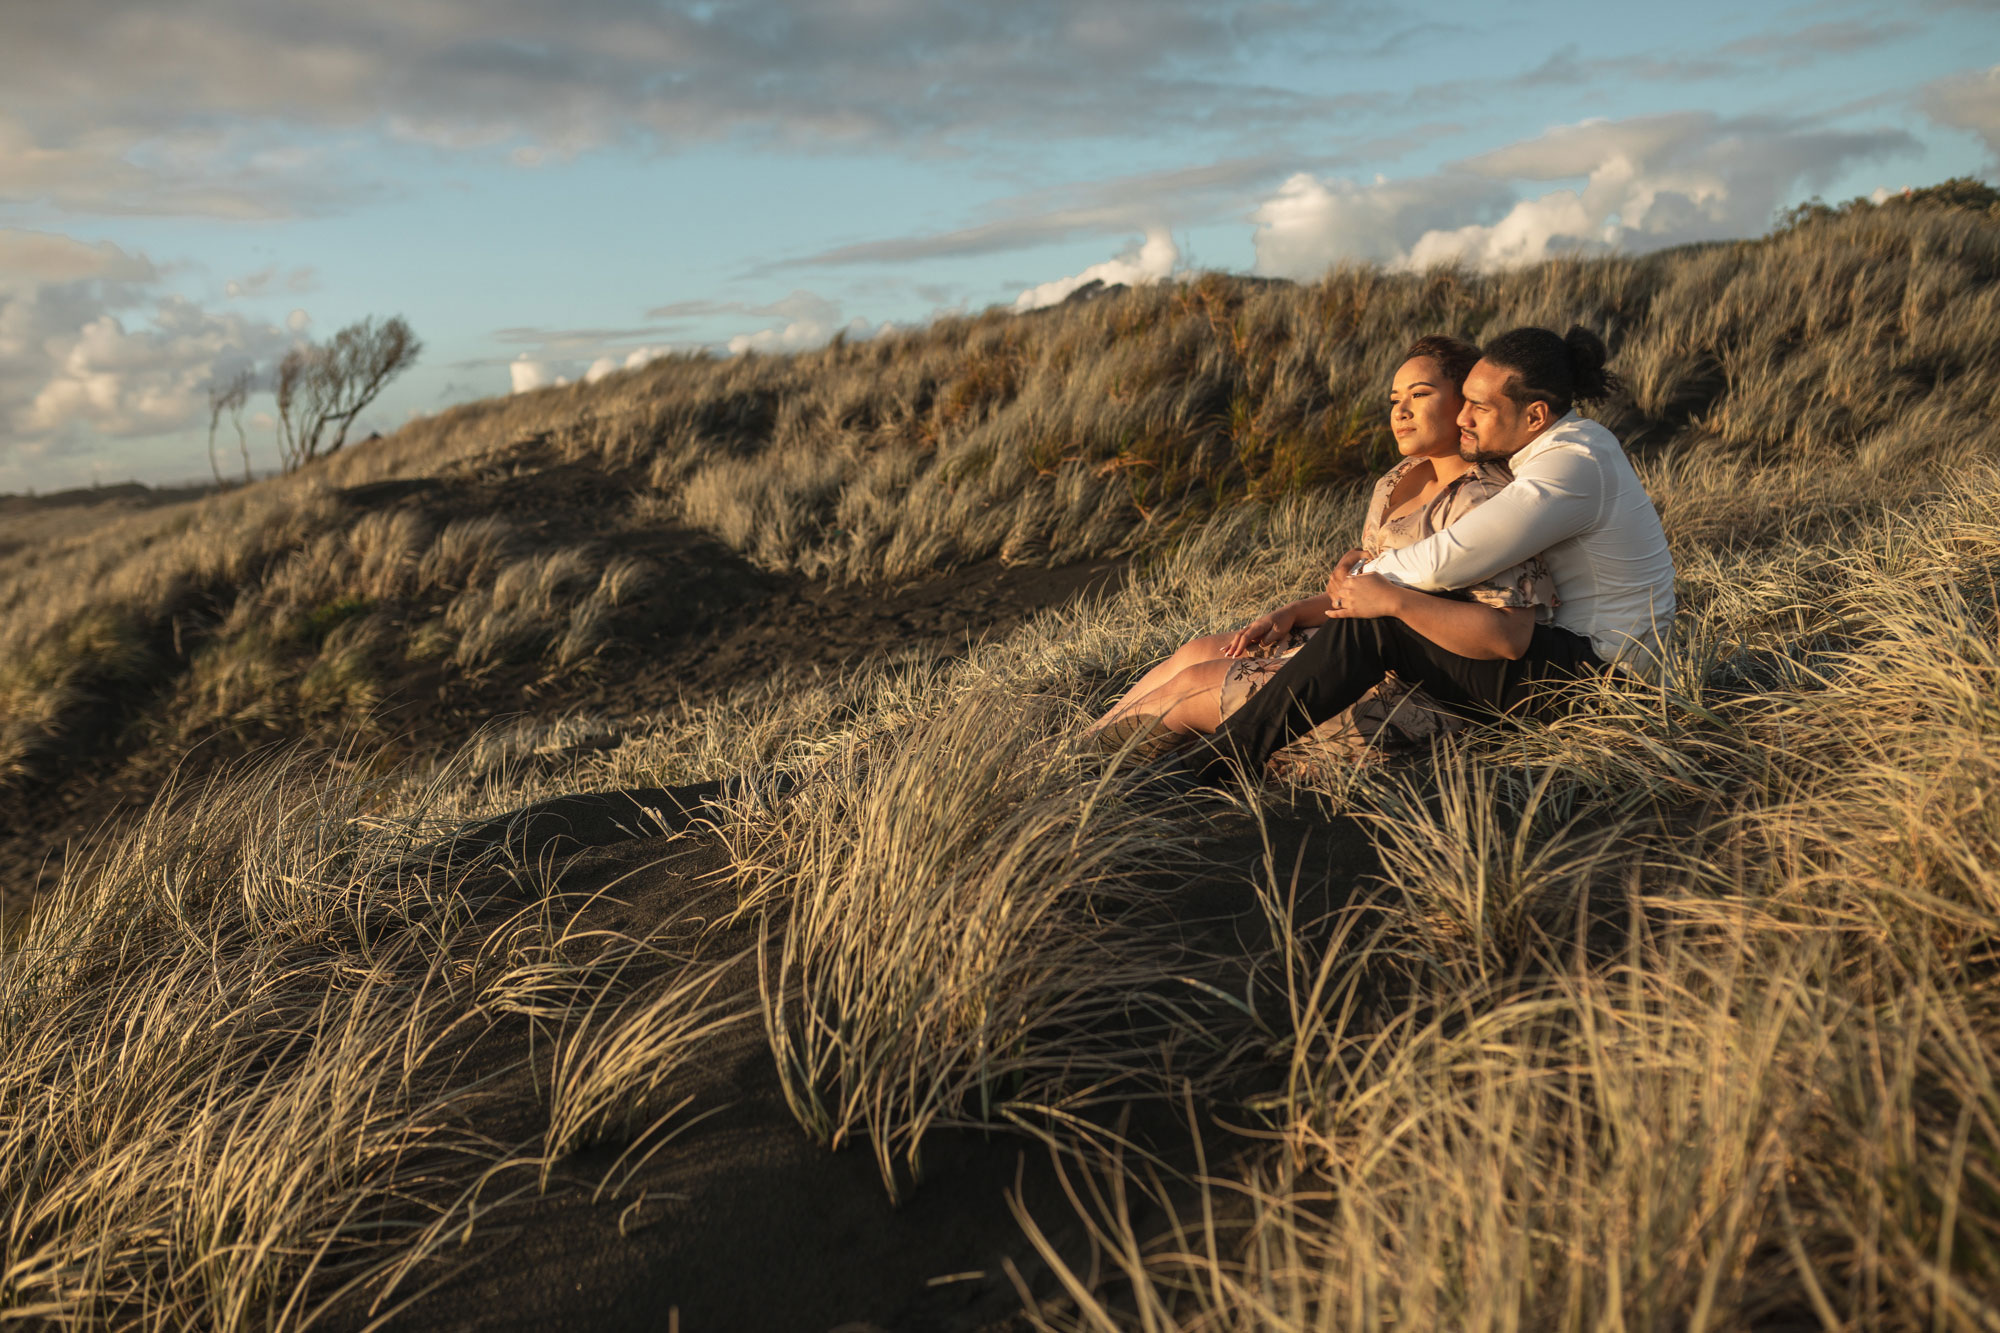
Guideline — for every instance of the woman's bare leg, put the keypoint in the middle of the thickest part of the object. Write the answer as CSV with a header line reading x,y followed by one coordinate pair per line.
x,y
1208,648
1191,702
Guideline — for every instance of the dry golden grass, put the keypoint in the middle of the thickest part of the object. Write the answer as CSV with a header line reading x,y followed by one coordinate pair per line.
x,y
1681,1012
1700,1027
938,921
1076,431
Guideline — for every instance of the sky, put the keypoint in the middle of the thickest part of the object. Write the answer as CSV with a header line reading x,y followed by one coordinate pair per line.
x,y
552,192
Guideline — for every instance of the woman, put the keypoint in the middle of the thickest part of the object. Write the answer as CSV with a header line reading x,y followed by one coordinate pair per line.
x,y
1211,677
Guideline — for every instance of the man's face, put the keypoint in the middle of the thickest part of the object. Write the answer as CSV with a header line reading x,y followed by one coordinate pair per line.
x,y
1492,426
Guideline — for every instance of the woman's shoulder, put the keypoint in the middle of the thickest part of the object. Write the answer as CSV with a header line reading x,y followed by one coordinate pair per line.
x,y
1372,534
1391,479
1387,481
1485,480
1385,486
1480,484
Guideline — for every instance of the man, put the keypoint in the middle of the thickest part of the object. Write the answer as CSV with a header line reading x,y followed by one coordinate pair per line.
x,y
1574,500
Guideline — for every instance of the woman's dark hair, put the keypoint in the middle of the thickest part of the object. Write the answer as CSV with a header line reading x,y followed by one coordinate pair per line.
x,y
1455,356
1560,371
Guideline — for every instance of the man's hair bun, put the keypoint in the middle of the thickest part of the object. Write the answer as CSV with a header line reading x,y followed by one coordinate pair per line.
x,y
1589,380
1560,370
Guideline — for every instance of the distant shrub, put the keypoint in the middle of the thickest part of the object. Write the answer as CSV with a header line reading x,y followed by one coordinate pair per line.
x,y
1965,193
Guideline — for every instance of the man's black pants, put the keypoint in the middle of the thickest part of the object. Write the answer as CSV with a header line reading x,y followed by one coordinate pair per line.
x,y
1349,657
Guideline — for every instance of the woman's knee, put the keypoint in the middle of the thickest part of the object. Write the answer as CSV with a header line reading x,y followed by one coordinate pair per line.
x,y
1197,696
1199,678
1207,648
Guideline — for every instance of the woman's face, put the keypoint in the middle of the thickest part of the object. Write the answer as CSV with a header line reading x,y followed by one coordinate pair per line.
x,y
1423,410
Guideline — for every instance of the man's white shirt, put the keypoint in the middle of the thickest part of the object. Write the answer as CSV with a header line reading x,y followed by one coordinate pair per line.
x,y
1576,502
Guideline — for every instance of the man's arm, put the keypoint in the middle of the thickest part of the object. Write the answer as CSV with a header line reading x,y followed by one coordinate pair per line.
x,y
1557,498
1482,633
1468,628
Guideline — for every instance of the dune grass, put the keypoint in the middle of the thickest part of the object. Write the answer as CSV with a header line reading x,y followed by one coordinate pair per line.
x,y
1698,1026
939,914
1676,1012
1119,424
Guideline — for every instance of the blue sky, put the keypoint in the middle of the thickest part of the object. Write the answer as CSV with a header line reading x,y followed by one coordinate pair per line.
x,y
541,190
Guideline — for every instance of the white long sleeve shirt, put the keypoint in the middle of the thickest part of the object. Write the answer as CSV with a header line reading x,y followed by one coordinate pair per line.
x,y
1577,503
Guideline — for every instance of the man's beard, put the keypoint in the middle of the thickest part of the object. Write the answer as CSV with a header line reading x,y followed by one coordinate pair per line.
x,y
1474,454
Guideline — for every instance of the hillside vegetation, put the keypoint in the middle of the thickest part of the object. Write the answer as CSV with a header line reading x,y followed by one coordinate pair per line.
x,y
1680,1012
1086,429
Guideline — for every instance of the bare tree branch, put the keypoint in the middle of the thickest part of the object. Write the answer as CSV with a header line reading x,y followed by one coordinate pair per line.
x,y
229,396
322,388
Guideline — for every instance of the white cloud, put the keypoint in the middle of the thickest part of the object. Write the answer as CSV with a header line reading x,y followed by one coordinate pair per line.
x,y
1310,225
1642,184
30,259
269,279
529,373
1968,101
633,361
90,346
208,106
803,320
610,363
165,163
139,381
1148,262
1114,207
1561,221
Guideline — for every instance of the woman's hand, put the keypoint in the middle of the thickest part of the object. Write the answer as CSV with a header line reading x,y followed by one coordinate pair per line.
x,y
1361,596
1264,629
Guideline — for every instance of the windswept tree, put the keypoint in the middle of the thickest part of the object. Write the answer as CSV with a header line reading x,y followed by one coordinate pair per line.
x,y
323,387
226,397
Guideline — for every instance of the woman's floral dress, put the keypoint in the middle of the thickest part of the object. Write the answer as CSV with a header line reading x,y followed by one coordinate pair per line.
x,y
1394,716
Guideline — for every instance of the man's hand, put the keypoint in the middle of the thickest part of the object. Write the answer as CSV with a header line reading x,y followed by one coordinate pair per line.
x,y
1262,630
1360,596
1343,574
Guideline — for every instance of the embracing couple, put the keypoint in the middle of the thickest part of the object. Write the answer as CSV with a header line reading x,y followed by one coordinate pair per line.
x,y
1512,548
